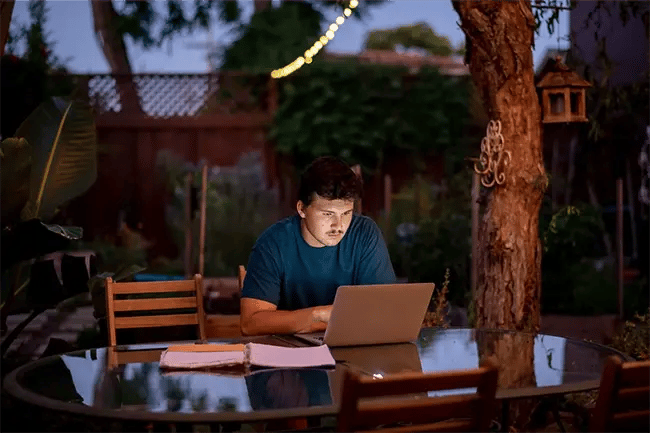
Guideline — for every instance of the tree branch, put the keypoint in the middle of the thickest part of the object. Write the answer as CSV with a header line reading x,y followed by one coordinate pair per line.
x,y
6,10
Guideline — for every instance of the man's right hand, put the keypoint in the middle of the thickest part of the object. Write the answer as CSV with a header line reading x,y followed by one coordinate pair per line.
x,y
322,314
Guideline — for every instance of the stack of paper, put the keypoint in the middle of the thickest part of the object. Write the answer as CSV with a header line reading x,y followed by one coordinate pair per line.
x,y
249,355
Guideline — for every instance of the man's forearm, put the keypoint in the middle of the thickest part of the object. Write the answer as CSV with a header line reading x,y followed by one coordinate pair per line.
x,y
284,322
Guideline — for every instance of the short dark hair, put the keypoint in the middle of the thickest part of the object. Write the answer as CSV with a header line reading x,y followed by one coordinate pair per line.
x,y
330,178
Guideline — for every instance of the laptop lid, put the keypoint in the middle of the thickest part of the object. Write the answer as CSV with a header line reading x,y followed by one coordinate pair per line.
x,y
377,314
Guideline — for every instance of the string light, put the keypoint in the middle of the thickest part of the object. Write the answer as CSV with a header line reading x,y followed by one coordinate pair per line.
x,y
318,45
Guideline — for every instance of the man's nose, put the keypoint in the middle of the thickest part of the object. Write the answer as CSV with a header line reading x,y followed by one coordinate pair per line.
x,y
336,222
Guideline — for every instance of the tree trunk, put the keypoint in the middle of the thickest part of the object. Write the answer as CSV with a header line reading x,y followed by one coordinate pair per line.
x,y
6,9
115,52
499,39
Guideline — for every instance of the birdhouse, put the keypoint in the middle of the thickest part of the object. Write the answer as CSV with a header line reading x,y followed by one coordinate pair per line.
x,y
563,94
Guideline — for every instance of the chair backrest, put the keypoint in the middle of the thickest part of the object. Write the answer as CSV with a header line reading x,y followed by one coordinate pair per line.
x,y
361,409
240,276
623,402
150,304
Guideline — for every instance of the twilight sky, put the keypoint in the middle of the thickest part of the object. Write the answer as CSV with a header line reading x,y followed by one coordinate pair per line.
x,y
70,27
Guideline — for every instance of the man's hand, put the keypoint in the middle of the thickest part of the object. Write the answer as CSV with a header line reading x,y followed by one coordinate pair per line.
x,y
322,314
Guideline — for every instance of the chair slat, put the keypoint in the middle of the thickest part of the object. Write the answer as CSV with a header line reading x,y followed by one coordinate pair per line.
x,y
444,426
153,287
416,410
413,382
634,373
633,398
155,321
154,303
635,421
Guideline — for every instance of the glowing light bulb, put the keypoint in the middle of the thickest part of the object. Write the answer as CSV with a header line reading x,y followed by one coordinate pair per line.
x,y
318,45
329,34
324,40
340,20
347,12
354,4
334,27
308,60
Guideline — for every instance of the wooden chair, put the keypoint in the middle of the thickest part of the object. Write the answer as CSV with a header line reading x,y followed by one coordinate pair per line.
x,y
362,409
147,309
623,402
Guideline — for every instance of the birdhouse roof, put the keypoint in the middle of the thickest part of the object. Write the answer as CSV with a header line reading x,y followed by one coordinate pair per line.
x,y
560,75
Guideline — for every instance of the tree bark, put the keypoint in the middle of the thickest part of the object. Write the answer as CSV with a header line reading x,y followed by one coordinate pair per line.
x,y
6,9
115,53
499,53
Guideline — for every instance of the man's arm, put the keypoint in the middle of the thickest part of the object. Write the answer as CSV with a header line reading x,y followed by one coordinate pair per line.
x,y
262,317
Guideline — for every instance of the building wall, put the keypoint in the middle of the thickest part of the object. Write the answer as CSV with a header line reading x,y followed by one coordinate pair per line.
x,y
627,44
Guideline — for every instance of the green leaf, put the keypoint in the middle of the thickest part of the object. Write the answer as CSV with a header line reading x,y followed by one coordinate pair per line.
x,y
69,232
15,168
64,142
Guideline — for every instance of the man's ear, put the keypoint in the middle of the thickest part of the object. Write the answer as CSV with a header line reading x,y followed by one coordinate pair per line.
x,y
300,207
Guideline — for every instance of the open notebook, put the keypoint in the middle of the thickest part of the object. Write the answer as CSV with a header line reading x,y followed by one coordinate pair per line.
x,y
246,356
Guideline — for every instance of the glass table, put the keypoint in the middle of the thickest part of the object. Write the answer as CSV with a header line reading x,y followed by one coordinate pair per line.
x,y
126,383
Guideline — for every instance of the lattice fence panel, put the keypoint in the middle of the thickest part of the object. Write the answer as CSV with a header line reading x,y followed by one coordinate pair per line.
x,y
160,95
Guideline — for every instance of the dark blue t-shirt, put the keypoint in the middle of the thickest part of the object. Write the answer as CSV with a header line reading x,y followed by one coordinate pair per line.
x,y
286,271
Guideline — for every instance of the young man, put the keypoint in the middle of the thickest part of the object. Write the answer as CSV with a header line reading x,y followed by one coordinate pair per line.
x,y
297,264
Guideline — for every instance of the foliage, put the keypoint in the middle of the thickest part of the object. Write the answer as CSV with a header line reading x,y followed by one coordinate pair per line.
x,y
30,77
634,338
57,159
569,236
328,108
274,37
436,316
442,243
577,277
418,35
150,25
238,209
58,152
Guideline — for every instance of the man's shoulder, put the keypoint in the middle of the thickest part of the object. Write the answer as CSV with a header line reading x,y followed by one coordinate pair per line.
x,y
363,223
279,231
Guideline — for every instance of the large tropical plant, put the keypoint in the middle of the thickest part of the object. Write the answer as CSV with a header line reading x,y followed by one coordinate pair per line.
x,y
51,160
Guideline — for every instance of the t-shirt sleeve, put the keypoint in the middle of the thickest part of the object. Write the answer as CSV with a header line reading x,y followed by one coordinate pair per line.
x,y
262,279
375,266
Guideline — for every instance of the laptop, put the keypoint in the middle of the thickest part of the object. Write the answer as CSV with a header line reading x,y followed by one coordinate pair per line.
x,y
374,314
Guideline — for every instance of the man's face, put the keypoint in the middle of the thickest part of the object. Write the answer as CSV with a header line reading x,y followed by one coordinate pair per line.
x,y
324,222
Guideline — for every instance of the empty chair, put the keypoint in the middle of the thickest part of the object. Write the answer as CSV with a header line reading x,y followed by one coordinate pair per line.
x,y
149,304
407,407
623,402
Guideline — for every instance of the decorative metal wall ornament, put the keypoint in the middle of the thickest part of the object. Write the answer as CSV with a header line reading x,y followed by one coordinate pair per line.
x,y
494,159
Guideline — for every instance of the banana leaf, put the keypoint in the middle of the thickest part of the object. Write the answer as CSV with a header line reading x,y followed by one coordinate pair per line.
x,y
16,163
34,238
64,163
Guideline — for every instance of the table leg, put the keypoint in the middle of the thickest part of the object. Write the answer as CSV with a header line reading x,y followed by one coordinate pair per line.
x,y
505,415
556,414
